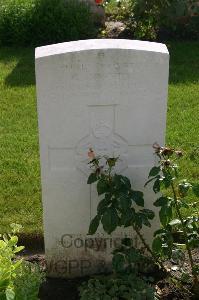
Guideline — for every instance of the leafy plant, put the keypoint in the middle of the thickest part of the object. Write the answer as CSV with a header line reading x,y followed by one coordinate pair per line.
x,y
117,9
165,178
129,260
124,287
157,19
146,17
40,22
120,206
28,281
180,19
117,207
9,267
19,280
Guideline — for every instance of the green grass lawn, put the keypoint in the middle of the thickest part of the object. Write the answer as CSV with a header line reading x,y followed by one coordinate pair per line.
x,y
19,157
20,192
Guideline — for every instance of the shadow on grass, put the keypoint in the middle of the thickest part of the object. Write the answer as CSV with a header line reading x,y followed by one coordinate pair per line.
x,y
184,62
22,73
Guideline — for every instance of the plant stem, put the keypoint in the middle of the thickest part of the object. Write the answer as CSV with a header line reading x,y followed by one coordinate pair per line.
x,y
185,233
155,258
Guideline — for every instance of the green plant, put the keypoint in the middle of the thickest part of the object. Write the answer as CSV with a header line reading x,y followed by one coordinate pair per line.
x,y
146,17
28,281
165,178
15,21
119,207
19,280
116,208
129,260
124,287
117,10
157,19
120,204
9,267
39,22
180,19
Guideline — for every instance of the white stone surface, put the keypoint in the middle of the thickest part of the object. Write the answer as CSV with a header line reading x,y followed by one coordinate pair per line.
x,y
110,95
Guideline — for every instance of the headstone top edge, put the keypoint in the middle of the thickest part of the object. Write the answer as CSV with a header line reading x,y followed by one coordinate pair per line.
x,y
97,44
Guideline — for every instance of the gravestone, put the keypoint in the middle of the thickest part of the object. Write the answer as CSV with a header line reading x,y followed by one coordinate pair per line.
x,y
110,95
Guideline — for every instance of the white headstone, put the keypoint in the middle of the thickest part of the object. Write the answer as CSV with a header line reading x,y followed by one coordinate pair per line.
x,y
110,95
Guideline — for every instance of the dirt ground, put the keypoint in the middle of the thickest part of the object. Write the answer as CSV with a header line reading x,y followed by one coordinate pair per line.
x,y
65,289
62,289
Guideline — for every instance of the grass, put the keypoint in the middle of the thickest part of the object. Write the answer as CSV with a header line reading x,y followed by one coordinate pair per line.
x,y
183,105
19,159
20,192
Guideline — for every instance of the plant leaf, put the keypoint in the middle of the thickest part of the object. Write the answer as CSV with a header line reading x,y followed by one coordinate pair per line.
x,y
138,197
154,171
118,262
126,181
10,294
102,206
110,220
145,220
157,245
165,215
148,181
125,202
195,189
149,213
94,225
18,249
127,218
92,178
102,187
156,186
127,242
161,201
159,231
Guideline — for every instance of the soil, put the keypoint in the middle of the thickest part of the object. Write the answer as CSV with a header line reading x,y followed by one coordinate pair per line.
x,y
34,242
65,289
60,289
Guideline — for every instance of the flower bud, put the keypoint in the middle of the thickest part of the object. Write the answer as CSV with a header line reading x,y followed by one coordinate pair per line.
x,y
91,154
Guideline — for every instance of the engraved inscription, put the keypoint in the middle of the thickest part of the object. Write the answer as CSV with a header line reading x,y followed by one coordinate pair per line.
x,y
102,138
